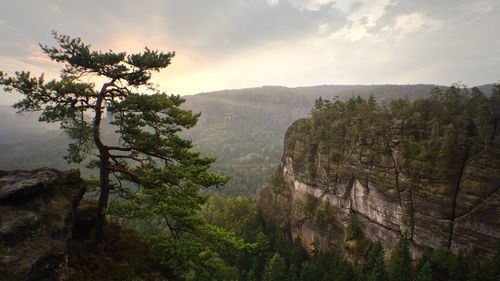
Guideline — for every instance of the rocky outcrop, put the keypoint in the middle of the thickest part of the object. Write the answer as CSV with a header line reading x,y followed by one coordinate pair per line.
x,y
36,217
322,183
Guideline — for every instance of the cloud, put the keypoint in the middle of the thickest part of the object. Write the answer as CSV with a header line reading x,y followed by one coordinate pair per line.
x,y
362,16
311,5
242,43
411,23
273,2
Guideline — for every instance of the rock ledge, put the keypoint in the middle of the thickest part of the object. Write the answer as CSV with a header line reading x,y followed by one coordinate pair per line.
x,y
36,218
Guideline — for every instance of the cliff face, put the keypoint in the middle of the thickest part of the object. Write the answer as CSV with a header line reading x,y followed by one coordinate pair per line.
x,y
389,177
36,217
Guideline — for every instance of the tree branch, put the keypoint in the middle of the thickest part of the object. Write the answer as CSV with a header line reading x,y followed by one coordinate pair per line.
x,y
133,176
135,148
141,161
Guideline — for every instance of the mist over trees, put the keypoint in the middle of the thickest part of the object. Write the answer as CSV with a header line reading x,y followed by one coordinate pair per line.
x,y
243,129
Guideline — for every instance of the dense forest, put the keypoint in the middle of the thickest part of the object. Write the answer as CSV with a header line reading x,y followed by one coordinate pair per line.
x,y
235,242
278,257
268,253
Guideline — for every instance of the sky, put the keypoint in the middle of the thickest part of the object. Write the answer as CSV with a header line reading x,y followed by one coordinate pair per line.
x,y
227,44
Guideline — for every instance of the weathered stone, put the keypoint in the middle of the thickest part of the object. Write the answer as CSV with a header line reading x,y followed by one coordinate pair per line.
x,y
36,217
456,206
3,173
19,184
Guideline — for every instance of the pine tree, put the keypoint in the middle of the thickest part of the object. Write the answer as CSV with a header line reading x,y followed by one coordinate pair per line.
x,y
275,269
307,273
456,267
374,268
251,276
401,268
149,154
424,273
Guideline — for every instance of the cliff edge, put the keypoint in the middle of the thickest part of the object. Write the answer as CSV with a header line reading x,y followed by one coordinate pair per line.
x,y
357,171
36,218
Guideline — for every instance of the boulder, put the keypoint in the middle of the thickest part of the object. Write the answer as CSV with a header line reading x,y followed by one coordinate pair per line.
x,y
36,219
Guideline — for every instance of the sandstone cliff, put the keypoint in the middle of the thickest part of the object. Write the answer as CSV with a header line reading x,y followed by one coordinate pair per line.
x,y
431,172
36,217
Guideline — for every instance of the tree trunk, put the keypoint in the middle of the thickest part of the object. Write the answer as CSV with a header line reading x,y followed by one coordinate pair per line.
x,y
104,168
103,199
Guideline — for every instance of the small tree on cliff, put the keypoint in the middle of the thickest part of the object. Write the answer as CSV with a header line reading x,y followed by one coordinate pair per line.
x,y
374,268
424,273
149,152
401,267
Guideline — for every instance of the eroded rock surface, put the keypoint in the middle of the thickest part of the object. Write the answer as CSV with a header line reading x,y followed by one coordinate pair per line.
x,y
455,206
36,217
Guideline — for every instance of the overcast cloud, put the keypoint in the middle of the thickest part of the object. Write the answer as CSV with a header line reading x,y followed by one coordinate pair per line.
x,y
223,44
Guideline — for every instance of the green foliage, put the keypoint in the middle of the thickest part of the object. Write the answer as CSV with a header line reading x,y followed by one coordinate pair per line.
x,y
354,228
212,268
274,255
444,262
157,177
401,267
203,255
127,255
275,269
323,216
469,266
311,169
310,205
253,262
491,268
375,268
424,273
243,128
235,214
434,134
327,266
215,254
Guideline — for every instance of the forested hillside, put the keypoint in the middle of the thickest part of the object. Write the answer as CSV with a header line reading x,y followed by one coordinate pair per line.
x,y
243,129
